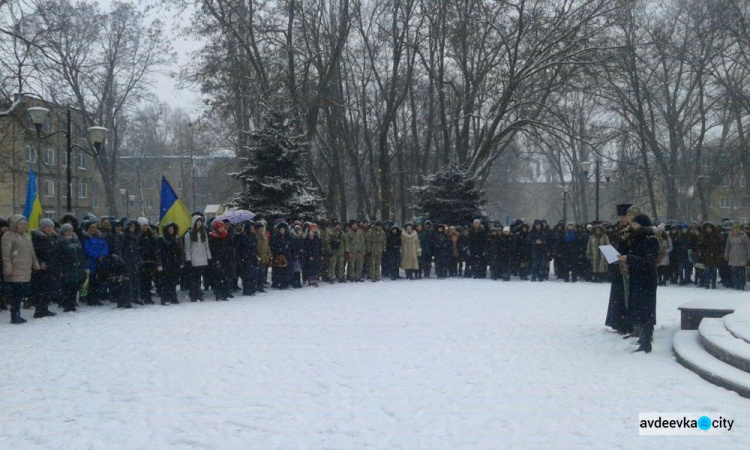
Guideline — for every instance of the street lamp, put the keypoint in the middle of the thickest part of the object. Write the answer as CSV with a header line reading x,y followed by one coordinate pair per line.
x,y
586,168
97,136
128,198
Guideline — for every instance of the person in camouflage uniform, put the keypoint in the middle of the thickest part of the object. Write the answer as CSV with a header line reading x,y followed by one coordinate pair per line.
x,y
337,244
355,248
375,247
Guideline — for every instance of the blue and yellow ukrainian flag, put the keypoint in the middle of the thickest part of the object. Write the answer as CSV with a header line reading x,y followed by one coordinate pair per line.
x,y
32,210
172,209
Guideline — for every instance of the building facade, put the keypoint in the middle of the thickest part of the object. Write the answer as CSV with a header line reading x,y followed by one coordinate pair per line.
x,y
21,149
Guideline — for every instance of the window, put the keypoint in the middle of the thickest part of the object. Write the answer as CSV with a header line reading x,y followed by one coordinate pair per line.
x,y
742,181
49,214
83,189
179,184
49,157
726,181
30,154
725,202
64,159
81,132
49,188
95,203
82,161
148,202
48,123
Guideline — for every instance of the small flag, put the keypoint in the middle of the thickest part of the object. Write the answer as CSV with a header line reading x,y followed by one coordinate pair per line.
x,y
172,209
32,210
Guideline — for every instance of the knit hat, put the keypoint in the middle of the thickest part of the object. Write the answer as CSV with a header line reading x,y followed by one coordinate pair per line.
x,y
634,211
65,228
643,220
506,228
142,221
589,227
313,226
217,224
44,223
4,223
477,222
661,227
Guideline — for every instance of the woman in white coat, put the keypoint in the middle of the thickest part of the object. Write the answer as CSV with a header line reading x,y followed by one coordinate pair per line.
x,y
410,252
197,253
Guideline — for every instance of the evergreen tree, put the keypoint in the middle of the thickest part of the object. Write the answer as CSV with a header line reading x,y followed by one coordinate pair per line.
x,y
274,183
450,196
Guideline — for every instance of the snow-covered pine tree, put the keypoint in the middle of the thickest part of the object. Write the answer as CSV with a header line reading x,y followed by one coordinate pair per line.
x,y
449,196
274,183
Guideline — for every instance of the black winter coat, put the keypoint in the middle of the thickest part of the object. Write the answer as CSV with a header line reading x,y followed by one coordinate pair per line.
x,y
73,261
393,247
313,252
47,283
642,259
523,248
442,247
129,249
149,247
222,251
246,249
170,254
478,242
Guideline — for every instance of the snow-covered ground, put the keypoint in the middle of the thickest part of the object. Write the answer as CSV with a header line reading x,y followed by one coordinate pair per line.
x,y
427,364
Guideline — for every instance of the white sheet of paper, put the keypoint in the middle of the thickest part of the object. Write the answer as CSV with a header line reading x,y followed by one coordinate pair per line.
x,y
610,253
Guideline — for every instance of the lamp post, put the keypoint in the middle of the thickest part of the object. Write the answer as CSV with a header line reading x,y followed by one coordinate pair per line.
x,y
565,189
97,135
586,167
128,198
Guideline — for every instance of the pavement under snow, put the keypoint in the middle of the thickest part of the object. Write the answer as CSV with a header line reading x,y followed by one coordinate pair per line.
x,y
433,364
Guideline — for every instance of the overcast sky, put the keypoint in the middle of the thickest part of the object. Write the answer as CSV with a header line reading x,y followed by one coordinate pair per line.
x,y
165,82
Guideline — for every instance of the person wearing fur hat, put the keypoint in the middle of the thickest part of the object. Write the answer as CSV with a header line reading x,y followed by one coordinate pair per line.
x,y
477,256
493,253
392,253
46,281
410,251
73,266
376,240
197,255
442,249
568,254
149,248
642,260
313,254
539,245
246,251
19,260
170,262
222,254
129,250
710,252
297,256
737,254
281,248
522,253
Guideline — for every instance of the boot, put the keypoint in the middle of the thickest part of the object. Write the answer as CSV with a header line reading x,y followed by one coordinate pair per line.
x,y
644,347
16,318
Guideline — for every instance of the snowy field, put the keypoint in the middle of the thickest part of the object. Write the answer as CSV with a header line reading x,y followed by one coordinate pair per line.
x,y
428,364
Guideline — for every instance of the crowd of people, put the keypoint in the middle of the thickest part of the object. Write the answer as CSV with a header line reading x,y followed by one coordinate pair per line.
x,y
130,261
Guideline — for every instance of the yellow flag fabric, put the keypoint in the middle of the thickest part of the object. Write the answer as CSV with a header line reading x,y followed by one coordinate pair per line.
x,y
171,209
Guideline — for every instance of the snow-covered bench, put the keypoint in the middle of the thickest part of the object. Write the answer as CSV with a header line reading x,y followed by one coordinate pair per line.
x,y
693,312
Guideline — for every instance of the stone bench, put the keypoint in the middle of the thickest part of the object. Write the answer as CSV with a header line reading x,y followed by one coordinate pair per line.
x,y
692,313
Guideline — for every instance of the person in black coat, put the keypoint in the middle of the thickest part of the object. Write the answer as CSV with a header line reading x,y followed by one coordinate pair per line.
x,y
73,266
426,239
493,254
478,249
568,254
505,253
281,249
642,260
246,249
47,281
297,252
538,242
129,250
149,248
392,253
171,259
313,254
442,249
222,254
523,251
114,272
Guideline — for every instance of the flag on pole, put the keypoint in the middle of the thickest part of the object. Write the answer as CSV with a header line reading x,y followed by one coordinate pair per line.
x,y
32,210
172,209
